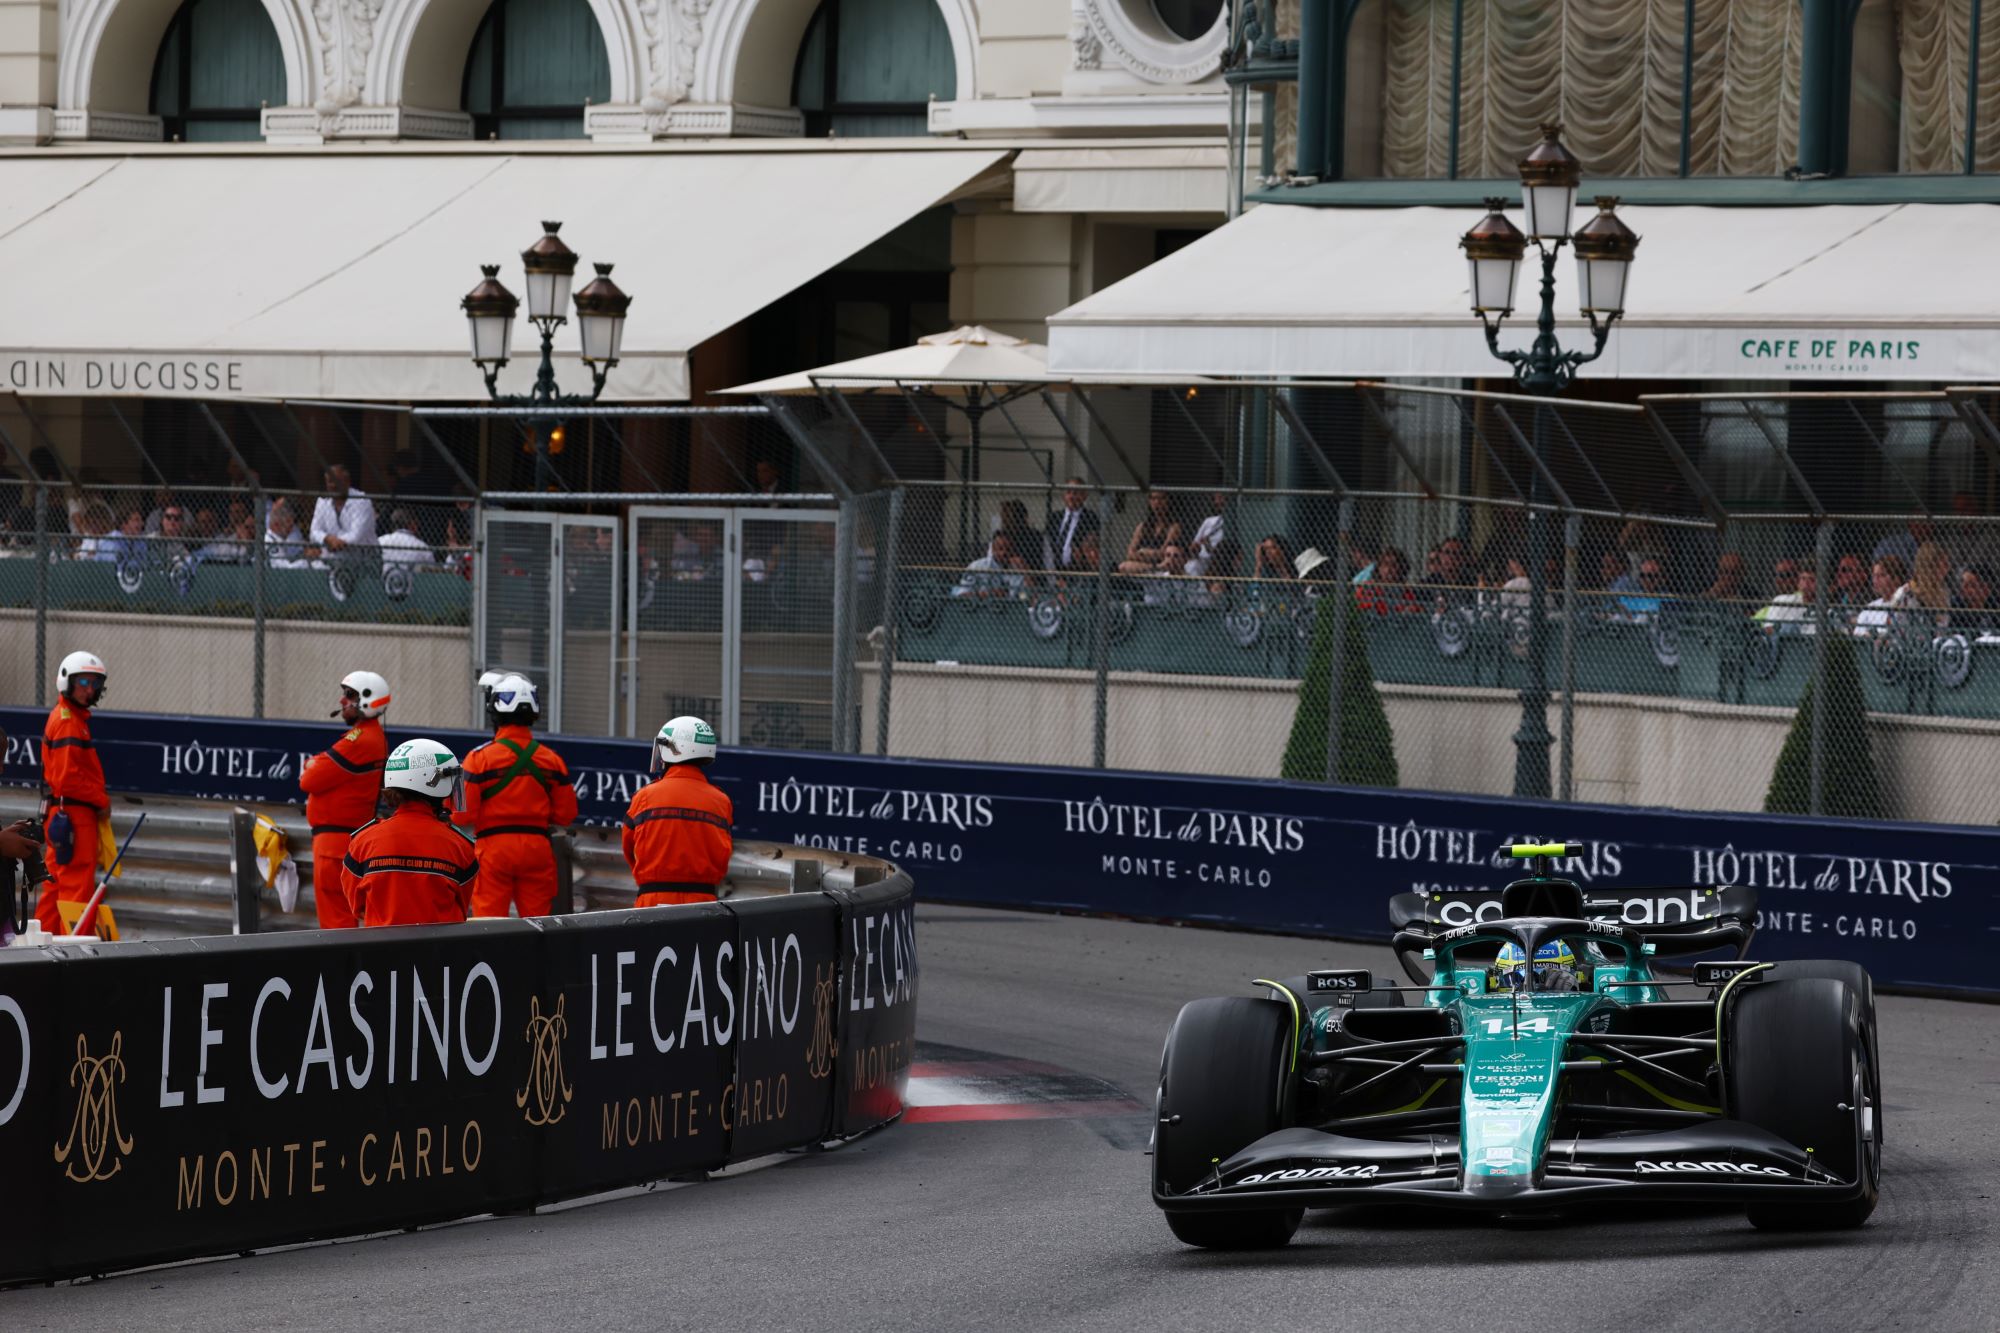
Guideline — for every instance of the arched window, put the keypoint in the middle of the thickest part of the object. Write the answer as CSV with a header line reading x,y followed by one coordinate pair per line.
x,y
219,64
533,65
870,67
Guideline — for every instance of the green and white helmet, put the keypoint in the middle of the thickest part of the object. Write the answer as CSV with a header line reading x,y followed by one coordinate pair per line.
x,y
425,767
683,741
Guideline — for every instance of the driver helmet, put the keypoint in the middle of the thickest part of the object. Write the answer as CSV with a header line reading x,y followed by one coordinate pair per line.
x,y
1555,966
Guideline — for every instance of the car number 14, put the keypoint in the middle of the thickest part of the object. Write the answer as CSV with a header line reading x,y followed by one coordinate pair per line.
x,y
1537,1023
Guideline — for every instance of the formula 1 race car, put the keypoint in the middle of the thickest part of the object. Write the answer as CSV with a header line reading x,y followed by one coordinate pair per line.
x,y
1537,1063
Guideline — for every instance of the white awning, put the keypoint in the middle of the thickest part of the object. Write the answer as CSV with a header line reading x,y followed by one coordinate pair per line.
x,y
1842,292
338,275
1137,178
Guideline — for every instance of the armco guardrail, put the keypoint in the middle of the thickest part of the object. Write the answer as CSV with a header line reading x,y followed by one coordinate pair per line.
x,y
180,878
1914,903
167,1100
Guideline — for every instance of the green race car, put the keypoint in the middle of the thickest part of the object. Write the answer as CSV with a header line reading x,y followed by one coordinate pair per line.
x,y
1538,1062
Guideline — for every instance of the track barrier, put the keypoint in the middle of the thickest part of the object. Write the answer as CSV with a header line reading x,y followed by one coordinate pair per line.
x,y
1914,903
165,1100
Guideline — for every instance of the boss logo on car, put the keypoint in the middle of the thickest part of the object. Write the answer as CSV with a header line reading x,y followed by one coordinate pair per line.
x,y
1711,1168
1349,979
1298,1173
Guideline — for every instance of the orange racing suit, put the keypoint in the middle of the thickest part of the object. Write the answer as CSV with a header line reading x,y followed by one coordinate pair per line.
x,y
75,782
677,838
515,788
342,785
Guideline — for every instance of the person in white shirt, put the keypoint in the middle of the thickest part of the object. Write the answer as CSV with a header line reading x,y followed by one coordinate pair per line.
x,y
1207,537
1001,572
343,517
283,546
401,545
1793,609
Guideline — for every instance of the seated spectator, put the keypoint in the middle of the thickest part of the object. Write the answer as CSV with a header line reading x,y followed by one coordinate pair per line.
x,y
343,517
1926,598
1903,545
129,542
1208,537
1728,585
1389,591
1026,540
1274,559
94,523
402,546
1155,547
1888,575
1454,569
1793,609
1978,612
1083,554
1067,526
1001,572
1784,576
1639,594
1611,567
1431,574
1224,565
171,542
283,546
1850,585
233,549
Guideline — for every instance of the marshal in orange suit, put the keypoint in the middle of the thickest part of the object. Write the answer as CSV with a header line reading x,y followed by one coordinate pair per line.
x,y
343,785
679,829
73,780
516,789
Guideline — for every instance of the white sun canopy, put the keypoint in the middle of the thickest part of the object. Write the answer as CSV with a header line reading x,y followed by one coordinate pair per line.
x,y
255,273
1841,292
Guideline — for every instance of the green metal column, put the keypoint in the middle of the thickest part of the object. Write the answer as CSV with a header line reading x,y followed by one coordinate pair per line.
x,y
1826,79
1323,29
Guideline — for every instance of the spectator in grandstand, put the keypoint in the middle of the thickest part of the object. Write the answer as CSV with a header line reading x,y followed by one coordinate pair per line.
x,y
163,500
1388,590
129,542
1926,598
171,540
1728,585
233,549
283,546
94,524
343,517
1639,593
1978,610
1208,537
1084,556
1611,567
1274,559
1014,522
1155,547
1888,575
1784,576
1903,545
402,546
1454,569
1850,585
1791,612
1001,572
769,481
1068,526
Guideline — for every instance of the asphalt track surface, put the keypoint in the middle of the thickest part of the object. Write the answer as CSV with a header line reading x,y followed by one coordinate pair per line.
x,y
1046,1223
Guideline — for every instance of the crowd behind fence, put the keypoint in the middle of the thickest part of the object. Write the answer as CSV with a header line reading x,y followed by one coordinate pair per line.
x,y
1626,604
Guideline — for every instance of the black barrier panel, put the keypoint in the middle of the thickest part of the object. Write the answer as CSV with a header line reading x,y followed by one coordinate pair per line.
x,y
1914,903
876,1010
33,1069
788,968
203,1096
635,1040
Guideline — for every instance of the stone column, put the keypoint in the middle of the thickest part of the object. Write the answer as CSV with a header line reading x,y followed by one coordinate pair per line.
x,y
29,39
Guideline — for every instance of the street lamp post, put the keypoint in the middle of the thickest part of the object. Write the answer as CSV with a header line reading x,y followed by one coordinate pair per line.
x,y
1494,248
600,309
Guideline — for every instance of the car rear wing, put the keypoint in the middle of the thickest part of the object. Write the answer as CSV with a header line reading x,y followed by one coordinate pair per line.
x,y
1661,914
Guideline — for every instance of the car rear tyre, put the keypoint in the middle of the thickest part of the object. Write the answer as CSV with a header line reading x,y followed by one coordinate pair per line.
x,y
1225,1082
1798,1065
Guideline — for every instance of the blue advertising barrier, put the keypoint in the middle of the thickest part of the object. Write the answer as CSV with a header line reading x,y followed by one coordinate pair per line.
x,y
1918,905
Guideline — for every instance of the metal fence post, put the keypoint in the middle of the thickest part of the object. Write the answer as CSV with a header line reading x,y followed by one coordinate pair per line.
x,y
1333,602
885,664
1572,533
41,592
843,738
259,560
1100,638
1822,545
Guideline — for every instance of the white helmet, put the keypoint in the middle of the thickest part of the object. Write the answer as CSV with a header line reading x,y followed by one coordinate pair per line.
x,y
511,696
81,664
425,767
685,740
374,691
487,680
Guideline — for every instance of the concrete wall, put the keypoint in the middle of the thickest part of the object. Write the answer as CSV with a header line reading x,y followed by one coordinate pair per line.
x,y
29,40
1630,750
176,664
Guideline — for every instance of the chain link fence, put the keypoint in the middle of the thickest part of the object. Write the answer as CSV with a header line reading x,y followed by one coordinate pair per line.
x,y
1634,604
